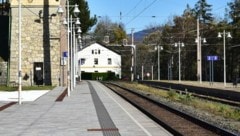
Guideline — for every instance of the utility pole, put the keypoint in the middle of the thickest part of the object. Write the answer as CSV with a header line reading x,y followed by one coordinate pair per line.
x,y
199,71
134,59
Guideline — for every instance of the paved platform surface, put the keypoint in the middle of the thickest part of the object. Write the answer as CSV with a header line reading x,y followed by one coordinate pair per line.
x,y
90,110
29,95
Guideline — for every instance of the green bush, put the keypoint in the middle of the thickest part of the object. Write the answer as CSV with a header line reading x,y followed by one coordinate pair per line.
x,y
99,76
15,88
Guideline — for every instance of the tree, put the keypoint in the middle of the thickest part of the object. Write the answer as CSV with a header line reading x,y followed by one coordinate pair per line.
x,y
153,38
234,14
119,34
105,27
86,21
188,12
203,10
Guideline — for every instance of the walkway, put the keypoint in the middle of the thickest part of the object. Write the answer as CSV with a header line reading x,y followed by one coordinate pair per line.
x,y
91,110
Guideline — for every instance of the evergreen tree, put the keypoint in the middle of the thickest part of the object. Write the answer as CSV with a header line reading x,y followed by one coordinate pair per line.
x,y
203,10
86,21
234,14
188,12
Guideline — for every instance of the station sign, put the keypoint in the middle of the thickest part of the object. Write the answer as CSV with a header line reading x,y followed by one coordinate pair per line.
x,y
65,54
212,58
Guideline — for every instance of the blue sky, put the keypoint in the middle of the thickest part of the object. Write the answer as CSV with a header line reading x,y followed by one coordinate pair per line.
x,y
138,14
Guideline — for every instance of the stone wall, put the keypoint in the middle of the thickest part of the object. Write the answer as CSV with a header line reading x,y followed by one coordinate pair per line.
x,y
40,43
34,2
3,73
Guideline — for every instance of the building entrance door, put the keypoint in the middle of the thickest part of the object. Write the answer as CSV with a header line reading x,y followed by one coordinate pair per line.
x,y
38,73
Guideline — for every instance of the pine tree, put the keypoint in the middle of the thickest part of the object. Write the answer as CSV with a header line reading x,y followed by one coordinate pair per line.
x,y
234,14
86,21
203,10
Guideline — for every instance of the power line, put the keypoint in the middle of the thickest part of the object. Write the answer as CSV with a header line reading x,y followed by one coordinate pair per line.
x,y
133,8
141,12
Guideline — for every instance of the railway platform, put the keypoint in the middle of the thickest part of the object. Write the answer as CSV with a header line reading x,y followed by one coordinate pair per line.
x,y
206,84
90,110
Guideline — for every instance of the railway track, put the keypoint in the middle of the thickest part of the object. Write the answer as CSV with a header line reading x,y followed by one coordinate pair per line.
x,y
173,120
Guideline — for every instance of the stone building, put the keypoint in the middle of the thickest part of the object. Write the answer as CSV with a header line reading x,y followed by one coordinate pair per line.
x,y
3,73
41,47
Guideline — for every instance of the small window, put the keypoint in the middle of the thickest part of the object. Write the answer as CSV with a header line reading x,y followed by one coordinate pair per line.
x,y
92,51
99,51
95,51
109,61
82,61
96,61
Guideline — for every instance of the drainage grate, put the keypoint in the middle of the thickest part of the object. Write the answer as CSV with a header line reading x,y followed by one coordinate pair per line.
x,y
107,125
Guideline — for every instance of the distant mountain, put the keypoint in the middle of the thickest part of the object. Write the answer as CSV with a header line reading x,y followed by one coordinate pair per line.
x,y
139,36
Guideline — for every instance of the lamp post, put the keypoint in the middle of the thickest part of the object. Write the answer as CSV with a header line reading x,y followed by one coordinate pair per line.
x,y
179,45
68,22
19,52
133,68
76,38
199,41
228,34
133,57
78,59
74,25
159,48
133,60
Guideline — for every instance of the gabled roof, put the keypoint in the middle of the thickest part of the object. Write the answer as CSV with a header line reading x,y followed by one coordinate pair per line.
x,y
105,46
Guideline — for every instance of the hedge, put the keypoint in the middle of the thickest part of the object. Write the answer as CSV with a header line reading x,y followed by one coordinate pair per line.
x,y
99,76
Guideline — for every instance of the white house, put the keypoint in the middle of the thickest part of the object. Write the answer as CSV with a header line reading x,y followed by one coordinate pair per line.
x,y
98,58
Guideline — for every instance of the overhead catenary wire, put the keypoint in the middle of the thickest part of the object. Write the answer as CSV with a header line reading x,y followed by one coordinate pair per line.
x,y
148,6
133,8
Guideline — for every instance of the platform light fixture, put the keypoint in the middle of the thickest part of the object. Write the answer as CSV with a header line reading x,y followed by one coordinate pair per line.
x,y
67,22
179,45
228,35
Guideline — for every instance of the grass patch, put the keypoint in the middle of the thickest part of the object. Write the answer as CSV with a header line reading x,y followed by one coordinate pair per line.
x,y
10,88
143,88
215,108
172,94
7,88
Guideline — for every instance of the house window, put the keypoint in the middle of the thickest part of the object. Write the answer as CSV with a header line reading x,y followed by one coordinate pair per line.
x,y
83,61
109,61
96,61
95,51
